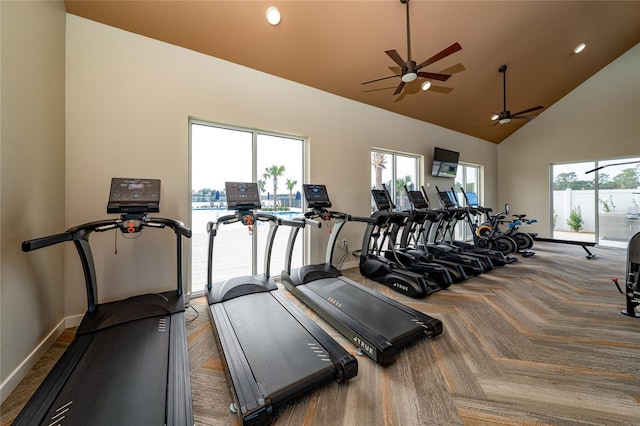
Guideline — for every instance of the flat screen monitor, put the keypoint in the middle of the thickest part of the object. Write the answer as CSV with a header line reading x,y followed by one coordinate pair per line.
x,y
445,163
316,196
242,196
131,195
444,169
441,154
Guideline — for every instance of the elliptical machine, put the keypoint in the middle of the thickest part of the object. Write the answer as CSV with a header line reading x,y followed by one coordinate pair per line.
x,y
375,263
632,293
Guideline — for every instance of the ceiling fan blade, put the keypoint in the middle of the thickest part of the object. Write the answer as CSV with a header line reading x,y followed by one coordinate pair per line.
x,y
434,76
379,79
527,110
393,54
399,88
525,117
443,54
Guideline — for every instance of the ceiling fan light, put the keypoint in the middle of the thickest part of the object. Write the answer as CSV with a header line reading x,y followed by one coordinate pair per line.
x,y
273,15
504,120
426,85
409,77
494,117
579,48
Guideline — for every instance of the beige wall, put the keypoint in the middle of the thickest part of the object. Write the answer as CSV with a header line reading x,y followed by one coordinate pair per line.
x,y
600,119
128,103
32,182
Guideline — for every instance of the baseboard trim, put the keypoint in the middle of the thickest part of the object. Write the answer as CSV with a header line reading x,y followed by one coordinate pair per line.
x,y
16,376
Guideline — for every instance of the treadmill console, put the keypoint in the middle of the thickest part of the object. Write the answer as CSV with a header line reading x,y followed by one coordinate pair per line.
x,y
417,200
316,196
129,196
242,196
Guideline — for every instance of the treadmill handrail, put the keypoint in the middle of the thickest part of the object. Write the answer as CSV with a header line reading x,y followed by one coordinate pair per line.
x,y
240,216
80,236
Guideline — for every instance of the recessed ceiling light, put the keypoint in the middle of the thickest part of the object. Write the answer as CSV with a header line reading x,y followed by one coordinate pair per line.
x,y
579,48
273,15
426,84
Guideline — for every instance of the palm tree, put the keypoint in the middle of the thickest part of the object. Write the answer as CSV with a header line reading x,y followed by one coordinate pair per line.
x,y
274,172
401,195
290,185
378,161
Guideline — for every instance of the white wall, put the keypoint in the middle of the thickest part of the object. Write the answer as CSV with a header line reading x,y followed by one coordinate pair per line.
x,y
32,182
600,119
128,102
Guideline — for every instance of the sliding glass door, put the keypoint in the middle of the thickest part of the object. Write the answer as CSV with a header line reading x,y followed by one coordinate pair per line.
x,y
597,201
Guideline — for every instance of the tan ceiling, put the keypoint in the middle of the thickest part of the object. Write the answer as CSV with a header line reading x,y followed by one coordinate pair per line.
x,y
335,45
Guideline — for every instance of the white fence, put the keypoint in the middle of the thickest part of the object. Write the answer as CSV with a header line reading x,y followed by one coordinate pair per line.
x,y
620,221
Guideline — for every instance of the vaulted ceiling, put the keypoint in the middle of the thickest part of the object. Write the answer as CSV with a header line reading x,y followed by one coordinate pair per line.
x,y
336,45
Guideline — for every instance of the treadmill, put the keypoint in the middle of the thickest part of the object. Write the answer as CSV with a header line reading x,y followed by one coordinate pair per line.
x,y
378,325
128,363
272,351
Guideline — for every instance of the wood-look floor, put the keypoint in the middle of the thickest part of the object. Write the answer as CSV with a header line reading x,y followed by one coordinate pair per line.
x,y
539,342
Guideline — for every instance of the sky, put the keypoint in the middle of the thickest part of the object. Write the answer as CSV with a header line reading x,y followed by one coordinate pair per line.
x,y
222,155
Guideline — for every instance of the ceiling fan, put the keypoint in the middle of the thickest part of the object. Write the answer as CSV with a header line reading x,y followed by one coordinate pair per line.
x,y
410,70
505,116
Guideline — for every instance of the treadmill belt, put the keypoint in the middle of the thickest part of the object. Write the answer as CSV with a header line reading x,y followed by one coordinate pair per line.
x,y
120,380
282,354
379,316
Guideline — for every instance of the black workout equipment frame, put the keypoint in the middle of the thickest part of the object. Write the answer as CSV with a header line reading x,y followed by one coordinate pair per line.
x,y
375,323
128,363
272,351
632,286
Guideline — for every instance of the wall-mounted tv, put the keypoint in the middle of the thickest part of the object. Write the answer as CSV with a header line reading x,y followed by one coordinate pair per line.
x,y
445,163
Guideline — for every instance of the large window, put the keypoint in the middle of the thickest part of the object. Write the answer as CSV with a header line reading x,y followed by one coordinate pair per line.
x,y
596,201
395,170
220,154
467,177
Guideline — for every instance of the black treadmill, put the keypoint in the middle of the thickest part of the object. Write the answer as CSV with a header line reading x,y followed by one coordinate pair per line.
x,y
272,351
128,363
378,325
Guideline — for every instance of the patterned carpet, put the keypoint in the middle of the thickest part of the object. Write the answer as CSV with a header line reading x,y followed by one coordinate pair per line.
x,y
538,342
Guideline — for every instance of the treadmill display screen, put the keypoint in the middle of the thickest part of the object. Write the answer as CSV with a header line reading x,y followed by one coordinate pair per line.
x,y
417,200
380,198
128,195
316,196
242,196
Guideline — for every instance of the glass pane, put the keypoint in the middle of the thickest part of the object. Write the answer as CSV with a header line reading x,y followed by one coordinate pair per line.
x,y
618,201
406,174
280,177
381,172
573,209
218,155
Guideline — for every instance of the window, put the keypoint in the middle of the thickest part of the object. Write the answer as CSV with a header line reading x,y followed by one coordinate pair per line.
x,y
597,201
220,154
467,177
395,170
